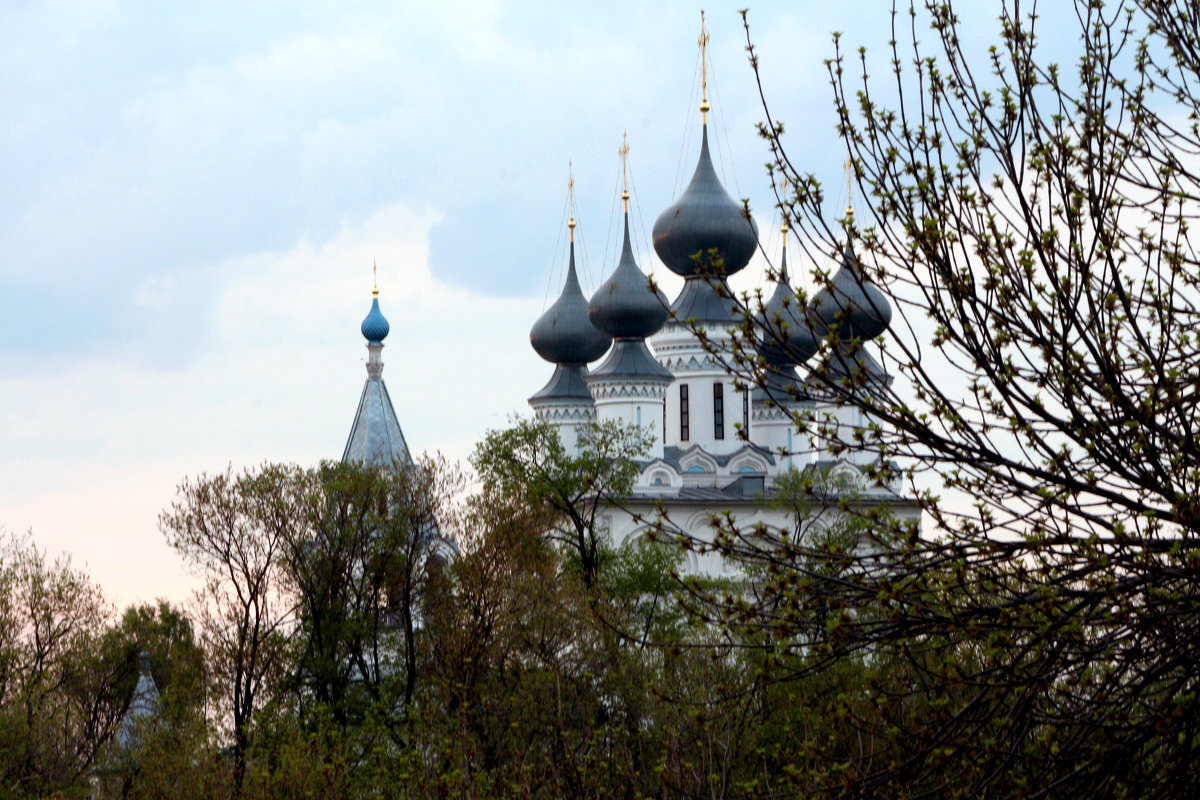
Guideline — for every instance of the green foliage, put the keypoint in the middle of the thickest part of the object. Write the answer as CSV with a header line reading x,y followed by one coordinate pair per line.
x,y
165,634
57,703
1032,223
567,491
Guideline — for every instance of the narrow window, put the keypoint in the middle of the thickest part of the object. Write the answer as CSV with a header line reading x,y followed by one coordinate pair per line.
x,y
684,422
746,414
719,410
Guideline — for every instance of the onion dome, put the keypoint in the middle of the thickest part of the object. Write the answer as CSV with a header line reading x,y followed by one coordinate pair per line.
x,y
625,307
851,305
704,218
785,336
564,334
375,328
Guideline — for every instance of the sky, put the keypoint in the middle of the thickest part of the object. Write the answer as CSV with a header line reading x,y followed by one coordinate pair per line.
x,y
192,196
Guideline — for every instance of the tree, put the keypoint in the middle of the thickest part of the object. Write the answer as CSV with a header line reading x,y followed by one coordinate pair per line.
x,y
233,530
1031,224
165,634
57,704
528,460
359,566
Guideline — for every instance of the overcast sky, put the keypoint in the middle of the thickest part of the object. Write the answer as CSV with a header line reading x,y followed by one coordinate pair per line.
x,y
192,195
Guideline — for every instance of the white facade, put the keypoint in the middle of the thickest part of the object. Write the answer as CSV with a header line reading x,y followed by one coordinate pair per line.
x,y
729,454
717,447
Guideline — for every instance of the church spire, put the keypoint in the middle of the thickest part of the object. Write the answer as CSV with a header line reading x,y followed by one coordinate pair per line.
x,y
705,235
375,437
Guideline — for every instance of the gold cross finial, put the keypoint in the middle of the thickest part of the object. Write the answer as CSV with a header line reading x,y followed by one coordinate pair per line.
x,y
849,187
784,186
624,153
703,42
374,278
571,199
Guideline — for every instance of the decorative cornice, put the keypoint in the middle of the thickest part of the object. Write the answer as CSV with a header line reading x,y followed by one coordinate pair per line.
x,y
565,413
761,412
623,389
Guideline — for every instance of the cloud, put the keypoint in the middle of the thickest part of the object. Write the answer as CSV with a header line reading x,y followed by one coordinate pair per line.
x,y
278,378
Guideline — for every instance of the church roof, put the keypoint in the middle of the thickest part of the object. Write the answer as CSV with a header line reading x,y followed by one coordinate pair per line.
x,y
705,219
564,334
143,704
700,301
630,359
568,383
783,333
376,437
625,306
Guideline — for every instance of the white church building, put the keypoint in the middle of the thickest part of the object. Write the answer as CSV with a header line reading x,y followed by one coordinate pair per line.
x,y
717,445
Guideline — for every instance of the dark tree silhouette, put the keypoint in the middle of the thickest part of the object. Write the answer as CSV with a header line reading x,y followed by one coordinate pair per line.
x,y
1030,224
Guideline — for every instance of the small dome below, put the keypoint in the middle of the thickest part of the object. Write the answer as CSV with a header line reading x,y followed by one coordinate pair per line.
x,y
624,306
784,334
375,327
705,218
564,334
850,304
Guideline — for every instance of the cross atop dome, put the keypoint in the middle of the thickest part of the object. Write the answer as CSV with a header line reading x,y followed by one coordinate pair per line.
x,y
703,42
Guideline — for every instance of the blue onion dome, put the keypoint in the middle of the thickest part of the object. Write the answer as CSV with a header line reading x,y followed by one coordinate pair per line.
x,y
375,328
850,304
784,334
703,218
564,334
625,307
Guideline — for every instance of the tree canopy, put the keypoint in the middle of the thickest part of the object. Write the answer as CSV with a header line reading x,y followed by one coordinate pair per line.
x,y
1030,223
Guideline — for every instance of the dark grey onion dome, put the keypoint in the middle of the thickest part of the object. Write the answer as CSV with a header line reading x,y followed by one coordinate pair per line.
x,y
564,334
784,334
624,306
703,218
851,305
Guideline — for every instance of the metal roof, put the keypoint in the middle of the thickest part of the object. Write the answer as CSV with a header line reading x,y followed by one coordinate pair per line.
x,y
705,218
375,437
625,307
567,383
630,358
564,334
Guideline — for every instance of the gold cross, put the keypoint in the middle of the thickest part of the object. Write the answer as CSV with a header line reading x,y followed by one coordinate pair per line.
x,y
703,42
375,277
849,187
624,153
571,198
